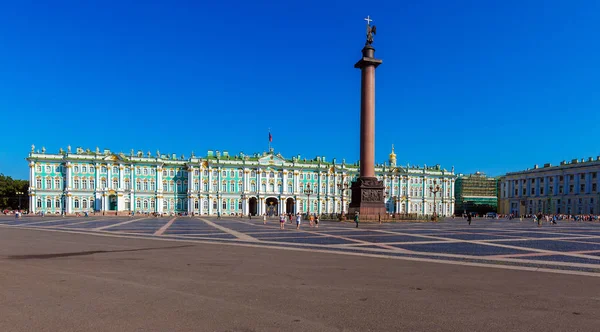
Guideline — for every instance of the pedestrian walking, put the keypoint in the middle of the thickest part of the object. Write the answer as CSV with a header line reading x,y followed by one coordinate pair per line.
x,y
356,218
469,218
298,220
264,219
282,221
317,221
311,220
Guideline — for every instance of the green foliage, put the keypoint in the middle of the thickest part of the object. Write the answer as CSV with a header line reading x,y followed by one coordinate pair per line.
x,y
8,193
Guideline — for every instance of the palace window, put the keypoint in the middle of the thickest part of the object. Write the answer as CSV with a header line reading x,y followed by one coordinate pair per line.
x,y
179,186
127,184
152,204
84,203
271,174
215,186
138,185
205,185
127,170
253,173
224,205
57,203
164,172
205,204
57,183
279,187
594,187
103,169
152,185
39,203
196,205
75,169
223,173
38,183
240,173
48,203
76,184
239,186
571,188
301,176
239,204
165,205
232,186
178,172
582,188
214,204
263,187
48,184
232,173
115,170
84,184
145,172
165,186
272,187
253,186
84,169
115,183
172,172
145,204
39,170
215,173
138,204
92,184
153,171
224,186
145,185
76,203
323,189
290,187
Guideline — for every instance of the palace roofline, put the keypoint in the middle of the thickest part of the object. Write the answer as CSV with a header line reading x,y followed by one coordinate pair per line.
x,y
215,155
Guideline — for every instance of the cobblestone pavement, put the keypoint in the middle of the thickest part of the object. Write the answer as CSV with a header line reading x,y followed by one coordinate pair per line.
x,y
568,247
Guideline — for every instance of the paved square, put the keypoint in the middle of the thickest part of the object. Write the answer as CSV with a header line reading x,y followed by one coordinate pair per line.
x,y
568,247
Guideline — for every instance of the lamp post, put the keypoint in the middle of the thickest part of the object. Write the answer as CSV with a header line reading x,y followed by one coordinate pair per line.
x,y
19,193
434,189
241,205
342,187
308,191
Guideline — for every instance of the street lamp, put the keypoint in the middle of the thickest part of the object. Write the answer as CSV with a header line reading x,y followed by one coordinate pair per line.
x,y
308,191
434,189
19,193
342,187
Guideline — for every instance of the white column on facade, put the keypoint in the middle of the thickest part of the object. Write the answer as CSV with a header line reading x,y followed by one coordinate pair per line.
x,y
68,176
263,208
297,205
121,175
296,181
210,205
245,205
109,177
284,181
68,204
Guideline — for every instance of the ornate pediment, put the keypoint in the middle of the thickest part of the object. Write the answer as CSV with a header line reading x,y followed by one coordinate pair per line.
x,y
271,159
114,157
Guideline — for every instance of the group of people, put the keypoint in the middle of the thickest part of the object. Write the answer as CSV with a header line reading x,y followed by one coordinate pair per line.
x,y
313,219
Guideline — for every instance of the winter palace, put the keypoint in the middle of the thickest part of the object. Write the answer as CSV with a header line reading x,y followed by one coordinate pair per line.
x,y
219,183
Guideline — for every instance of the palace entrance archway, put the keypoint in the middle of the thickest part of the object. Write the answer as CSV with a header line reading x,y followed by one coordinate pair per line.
x,y
289,206
252,205
271,205
112,202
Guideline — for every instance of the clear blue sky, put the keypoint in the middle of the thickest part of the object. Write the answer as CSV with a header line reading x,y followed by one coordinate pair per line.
x,y
494,86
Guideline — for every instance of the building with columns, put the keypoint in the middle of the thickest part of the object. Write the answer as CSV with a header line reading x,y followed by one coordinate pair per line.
x,y
569,188
219,183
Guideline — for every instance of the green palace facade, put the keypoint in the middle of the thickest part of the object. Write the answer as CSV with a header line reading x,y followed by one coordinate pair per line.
x,y
81,181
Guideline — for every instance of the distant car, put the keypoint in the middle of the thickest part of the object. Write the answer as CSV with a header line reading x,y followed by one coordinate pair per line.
x,y
491,215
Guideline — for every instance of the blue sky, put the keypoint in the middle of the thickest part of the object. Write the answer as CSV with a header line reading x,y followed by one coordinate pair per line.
x,y
494,86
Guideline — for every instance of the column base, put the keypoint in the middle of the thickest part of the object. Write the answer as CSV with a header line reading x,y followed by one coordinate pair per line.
x,y
367,199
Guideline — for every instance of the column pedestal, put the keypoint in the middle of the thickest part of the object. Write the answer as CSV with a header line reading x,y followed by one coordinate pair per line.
x,y
367,198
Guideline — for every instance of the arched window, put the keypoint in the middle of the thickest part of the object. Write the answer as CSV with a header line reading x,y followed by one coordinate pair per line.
x,y
323,189
152,185
115,170
263,187
76,203
103,183
196,186
253,186
196,205
165,205
138,185
253,173
271,187
57,184
205,172
164,172
215,186
224,204
92,184
240,186
205,204
171,186
57,203
271,174
214,204
279,187
84,203
91,203
152,204
290,187
179,186
145,171
179,206
48,203
138,204
145,185
224,185
145,201
172,173
75,184
232,186
39,203
127,184
84,183
205,185
185,185
115,183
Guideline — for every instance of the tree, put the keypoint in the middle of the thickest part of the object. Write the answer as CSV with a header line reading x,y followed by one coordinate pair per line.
x,y
8,193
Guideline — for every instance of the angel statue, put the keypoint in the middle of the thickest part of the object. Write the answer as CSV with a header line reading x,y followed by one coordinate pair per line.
x,y
371,30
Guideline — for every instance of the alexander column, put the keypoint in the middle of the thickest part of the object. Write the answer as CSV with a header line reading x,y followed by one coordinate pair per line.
x,y
367,191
